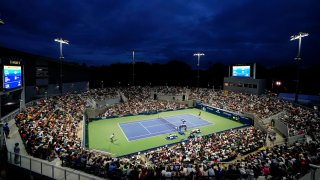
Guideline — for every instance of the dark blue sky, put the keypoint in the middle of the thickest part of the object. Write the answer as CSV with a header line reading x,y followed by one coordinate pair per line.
x,y
104,31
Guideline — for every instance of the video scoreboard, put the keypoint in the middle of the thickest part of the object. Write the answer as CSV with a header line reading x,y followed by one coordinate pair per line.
x,y
12,77
241,71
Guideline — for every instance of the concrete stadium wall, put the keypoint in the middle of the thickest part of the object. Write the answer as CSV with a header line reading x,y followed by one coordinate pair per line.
x,y
92,113
169,97
53,89
302,98
75,86
260,124
257,122
259,83
30,93
189,103
276,116
108,102
281,127
297,138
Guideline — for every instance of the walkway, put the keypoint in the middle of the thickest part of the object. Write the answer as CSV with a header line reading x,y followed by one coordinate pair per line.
x,y
51,169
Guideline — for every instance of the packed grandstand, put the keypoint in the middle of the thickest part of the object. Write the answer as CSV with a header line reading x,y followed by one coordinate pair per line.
x,y
50,128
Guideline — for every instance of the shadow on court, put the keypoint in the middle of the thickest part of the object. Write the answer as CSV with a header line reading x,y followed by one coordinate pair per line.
x,y
113,142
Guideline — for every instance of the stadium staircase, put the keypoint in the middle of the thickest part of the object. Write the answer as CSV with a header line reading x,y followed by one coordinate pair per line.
x,y
279,139
43,168
123,97
14,137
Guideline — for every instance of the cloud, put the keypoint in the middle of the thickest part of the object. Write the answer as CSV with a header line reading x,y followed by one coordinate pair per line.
x,y
103,32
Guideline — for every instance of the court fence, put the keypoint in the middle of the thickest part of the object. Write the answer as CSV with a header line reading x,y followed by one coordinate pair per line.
x,y
225,113
142,113
170,144
84,142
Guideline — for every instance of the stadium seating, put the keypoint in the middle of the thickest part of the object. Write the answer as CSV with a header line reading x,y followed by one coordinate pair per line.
x,y
49,129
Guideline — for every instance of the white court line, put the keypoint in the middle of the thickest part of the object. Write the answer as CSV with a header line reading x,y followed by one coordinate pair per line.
x,y
161,132
207,123
123,132
162,123
145,128
125,123
148,135
153,119
192,123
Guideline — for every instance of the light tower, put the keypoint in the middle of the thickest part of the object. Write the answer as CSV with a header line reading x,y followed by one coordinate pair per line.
x,y
133,62
1,138
61,41
298,58
199,55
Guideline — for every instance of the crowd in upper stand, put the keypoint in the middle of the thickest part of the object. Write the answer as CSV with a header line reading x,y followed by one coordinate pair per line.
x,y
140,101
301,120
49,128
101,94
262,106
173,90
134,106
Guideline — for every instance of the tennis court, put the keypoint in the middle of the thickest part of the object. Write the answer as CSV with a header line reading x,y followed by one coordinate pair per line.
x,y
153,127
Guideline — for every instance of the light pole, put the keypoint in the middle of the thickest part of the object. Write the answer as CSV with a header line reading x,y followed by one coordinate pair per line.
x,y
298,58
20,105
133,62
61,41
1,140
199,55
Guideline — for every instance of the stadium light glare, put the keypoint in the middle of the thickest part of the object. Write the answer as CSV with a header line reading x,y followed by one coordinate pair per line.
x,y
199,55
298,36
278,83
61,42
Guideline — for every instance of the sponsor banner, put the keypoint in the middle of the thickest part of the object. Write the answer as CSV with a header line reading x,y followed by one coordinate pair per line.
x,y
225,114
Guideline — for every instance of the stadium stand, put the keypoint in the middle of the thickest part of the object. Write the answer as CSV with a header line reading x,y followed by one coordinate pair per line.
x,y
49,129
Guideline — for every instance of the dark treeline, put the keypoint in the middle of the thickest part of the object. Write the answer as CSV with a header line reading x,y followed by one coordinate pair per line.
x,y
178,73
174,73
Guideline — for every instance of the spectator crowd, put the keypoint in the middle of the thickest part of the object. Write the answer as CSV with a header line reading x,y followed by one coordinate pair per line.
x,y
139,101
50,127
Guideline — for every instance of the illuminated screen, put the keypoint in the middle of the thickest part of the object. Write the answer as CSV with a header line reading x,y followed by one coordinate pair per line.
x,y
11,77
241,71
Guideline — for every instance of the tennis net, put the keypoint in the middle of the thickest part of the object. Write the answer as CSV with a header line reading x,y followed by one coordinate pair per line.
x,y
172,126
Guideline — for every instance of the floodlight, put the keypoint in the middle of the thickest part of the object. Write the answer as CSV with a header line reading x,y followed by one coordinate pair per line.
x,y
298,36
199,55
298,58
60,40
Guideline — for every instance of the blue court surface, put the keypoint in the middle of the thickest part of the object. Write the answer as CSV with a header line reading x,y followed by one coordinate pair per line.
x,y
153,127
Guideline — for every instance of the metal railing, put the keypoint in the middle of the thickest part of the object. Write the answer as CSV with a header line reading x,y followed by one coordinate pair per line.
x,y
315,172
10,116
13,113
46,169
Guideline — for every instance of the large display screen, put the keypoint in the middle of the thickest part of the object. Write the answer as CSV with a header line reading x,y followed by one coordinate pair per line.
x,y
241,71
11,77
